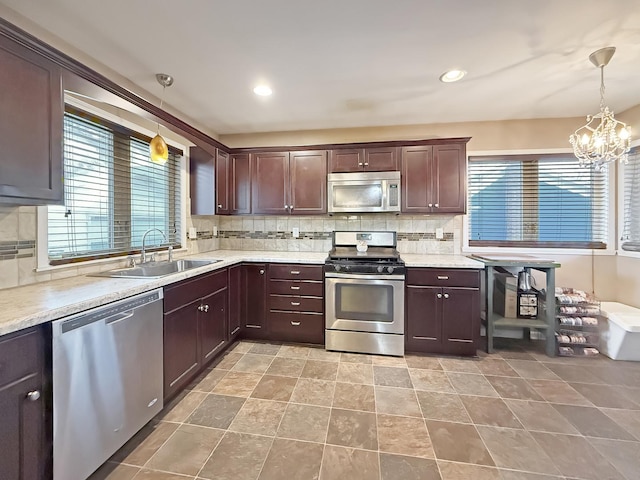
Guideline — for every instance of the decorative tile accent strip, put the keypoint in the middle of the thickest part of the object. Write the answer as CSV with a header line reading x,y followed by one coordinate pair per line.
x,y
415,237
279,235
17,249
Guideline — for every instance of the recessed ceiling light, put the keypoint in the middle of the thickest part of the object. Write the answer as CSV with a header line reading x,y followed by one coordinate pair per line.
x,y
452,76
263,90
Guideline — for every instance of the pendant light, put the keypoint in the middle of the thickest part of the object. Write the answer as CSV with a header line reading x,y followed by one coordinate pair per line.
x,y
158,147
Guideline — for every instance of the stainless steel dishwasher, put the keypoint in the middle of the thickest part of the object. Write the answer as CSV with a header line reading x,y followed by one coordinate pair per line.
x,y
107,381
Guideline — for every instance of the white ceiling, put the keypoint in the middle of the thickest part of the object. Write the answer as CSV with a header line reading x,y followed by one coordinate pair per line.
x,y
352,63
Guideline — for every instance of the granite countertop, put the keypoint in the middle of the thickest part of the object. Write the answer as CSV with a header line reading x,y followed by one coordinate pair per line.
x,y
29,305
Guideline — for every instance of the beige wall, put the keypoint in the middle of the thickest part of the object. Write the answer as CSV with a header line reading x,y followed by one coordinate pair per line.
x,y
628,281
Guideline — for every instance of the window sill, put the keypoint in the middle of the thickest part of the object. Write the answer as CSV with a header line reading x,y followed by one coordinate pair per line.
x,y
628,254
539,251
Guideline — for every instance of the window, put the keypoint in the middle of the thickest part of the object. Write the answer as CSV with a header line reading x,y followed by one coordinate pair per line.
x,y
536,201
113,193
631,229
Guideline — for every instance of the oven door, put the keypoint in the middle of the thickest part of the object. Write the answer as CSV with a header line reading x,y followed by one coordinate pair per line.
x,y
365,303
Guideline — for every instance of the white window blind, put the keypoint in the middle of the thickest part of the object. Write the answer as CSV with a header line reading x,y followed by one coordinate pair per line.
x,y
536,201
631,230
113,193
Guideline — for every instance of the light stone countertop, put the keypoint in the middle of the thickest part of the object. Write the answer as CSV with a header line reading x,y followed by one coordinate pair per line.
x,y
29,305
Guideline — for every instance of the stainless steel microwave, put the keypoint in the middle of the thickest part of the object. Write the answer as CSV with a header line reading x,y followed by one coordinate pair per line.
x,y
362,192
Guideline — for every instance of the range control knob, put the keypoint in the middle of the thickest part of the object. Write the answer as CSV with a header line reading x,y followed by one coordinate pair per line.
x,y
338,268
390,269
380,268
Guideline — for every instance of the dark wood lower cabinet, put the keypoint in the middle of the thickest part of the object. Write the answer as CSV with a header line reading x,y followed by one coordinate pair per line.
x,y
441,317
254,284
212,323
234,315
180,347
25,400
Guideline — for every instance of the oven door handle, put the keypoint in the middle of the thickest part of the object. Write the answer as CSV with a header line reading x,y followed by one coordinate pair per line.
x,y
356,276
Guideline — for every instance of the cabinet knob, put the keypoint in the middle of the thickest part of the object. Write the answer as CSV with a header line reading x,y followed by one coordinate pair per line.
x,y
431,205
203,308
33,395
219,205
261,272
446,295
286,207
439,295
366,164
436,205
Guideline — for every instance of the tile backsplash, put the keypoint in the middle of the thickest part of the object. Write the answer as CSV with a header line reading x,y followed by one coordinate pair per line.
x,y
416,234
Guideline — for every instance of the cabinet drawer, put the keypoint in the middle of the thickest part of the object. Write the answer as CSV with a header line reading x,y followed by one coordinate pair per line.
x,y
296,303
20,355
189,290
292,287
297,327
443,277
295,272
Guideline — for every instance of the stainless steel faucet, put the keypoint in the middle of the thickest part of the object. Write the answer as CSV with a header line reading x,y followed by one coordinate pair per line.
x,y
143,254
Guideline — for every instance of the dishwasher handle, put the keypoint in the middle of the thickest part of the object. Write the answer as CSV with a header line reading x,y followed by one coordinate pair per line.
x,y
118,317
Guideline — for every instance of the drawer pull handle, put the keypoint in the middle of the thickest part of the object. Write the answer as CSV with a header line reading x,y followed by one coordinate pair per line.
x,y
293,287
446,295
33,395
295,272
295,304
443,277
295,324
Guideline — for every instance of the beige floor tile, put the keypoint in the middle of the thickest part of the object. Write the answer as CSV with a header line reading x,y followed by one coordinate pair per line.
x,y
471,384
207,380
342,463
517,388
216,411
497,367
313,392
391,376
397,401
186,451
532,369
237,384
354,396
238,456
558,392
460,365
115,471
305,422
293,351
572,373
608,396
179,409
516,449
388,361
624,456
404,436
272,387
288,367
356,358
355,373
394,467
431,380
592,422
447,407
146,474
292,460
540,416
324,355
467,471
264,349
426,363
458,442
145,443
251,363
241,347
319,370
350,428
490,411
628,419
229,360
260,417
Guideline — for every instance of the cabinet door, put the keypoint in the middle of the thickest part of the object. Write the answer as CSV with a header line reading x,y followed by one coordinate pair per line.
x,y
460,320
308,182
254,283
31,118
449,179
212,324
416,179
222,182
346,160
201,178
240,184
22,426
181,347
270,183
235,301
423,314
383,159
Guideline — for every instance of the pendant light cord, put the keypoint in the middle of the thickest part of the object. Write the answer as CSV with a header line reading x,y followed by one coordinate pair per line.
x,y
602,87
161,102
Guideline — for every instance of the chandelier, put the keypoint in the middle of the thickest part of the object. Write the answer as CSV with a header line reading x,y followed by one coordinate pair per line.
x,y
158,149
603,139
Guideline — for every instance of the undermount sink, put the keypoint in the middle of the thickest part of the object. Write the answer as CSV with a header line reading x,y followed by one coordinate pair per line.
x,y
155,269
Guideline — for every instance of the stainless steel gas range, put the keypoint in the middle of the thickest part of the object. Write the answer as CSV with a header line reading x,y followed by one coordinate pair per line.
x,y
364,291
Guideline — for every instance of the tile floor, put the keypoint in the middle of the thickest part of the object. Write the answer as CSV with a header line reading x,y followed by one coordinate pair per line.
x,y
268,412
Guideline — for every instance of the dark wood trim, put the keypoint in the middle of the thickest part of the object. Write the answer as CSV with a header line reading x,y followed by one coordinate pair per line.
x,y
334,146
71,65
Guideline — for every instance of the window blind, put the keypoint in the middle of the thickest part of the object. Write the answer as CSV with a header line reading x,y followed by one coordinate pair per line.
x,y
113,193
631,229
536,201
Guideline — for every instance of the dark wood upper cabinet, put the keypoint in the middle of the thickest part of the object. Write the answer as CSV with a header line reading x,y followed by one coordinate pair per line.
x,y
222,183
289,183
434,179
308,183
202,172
31,119
270,183
376,159
240,184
